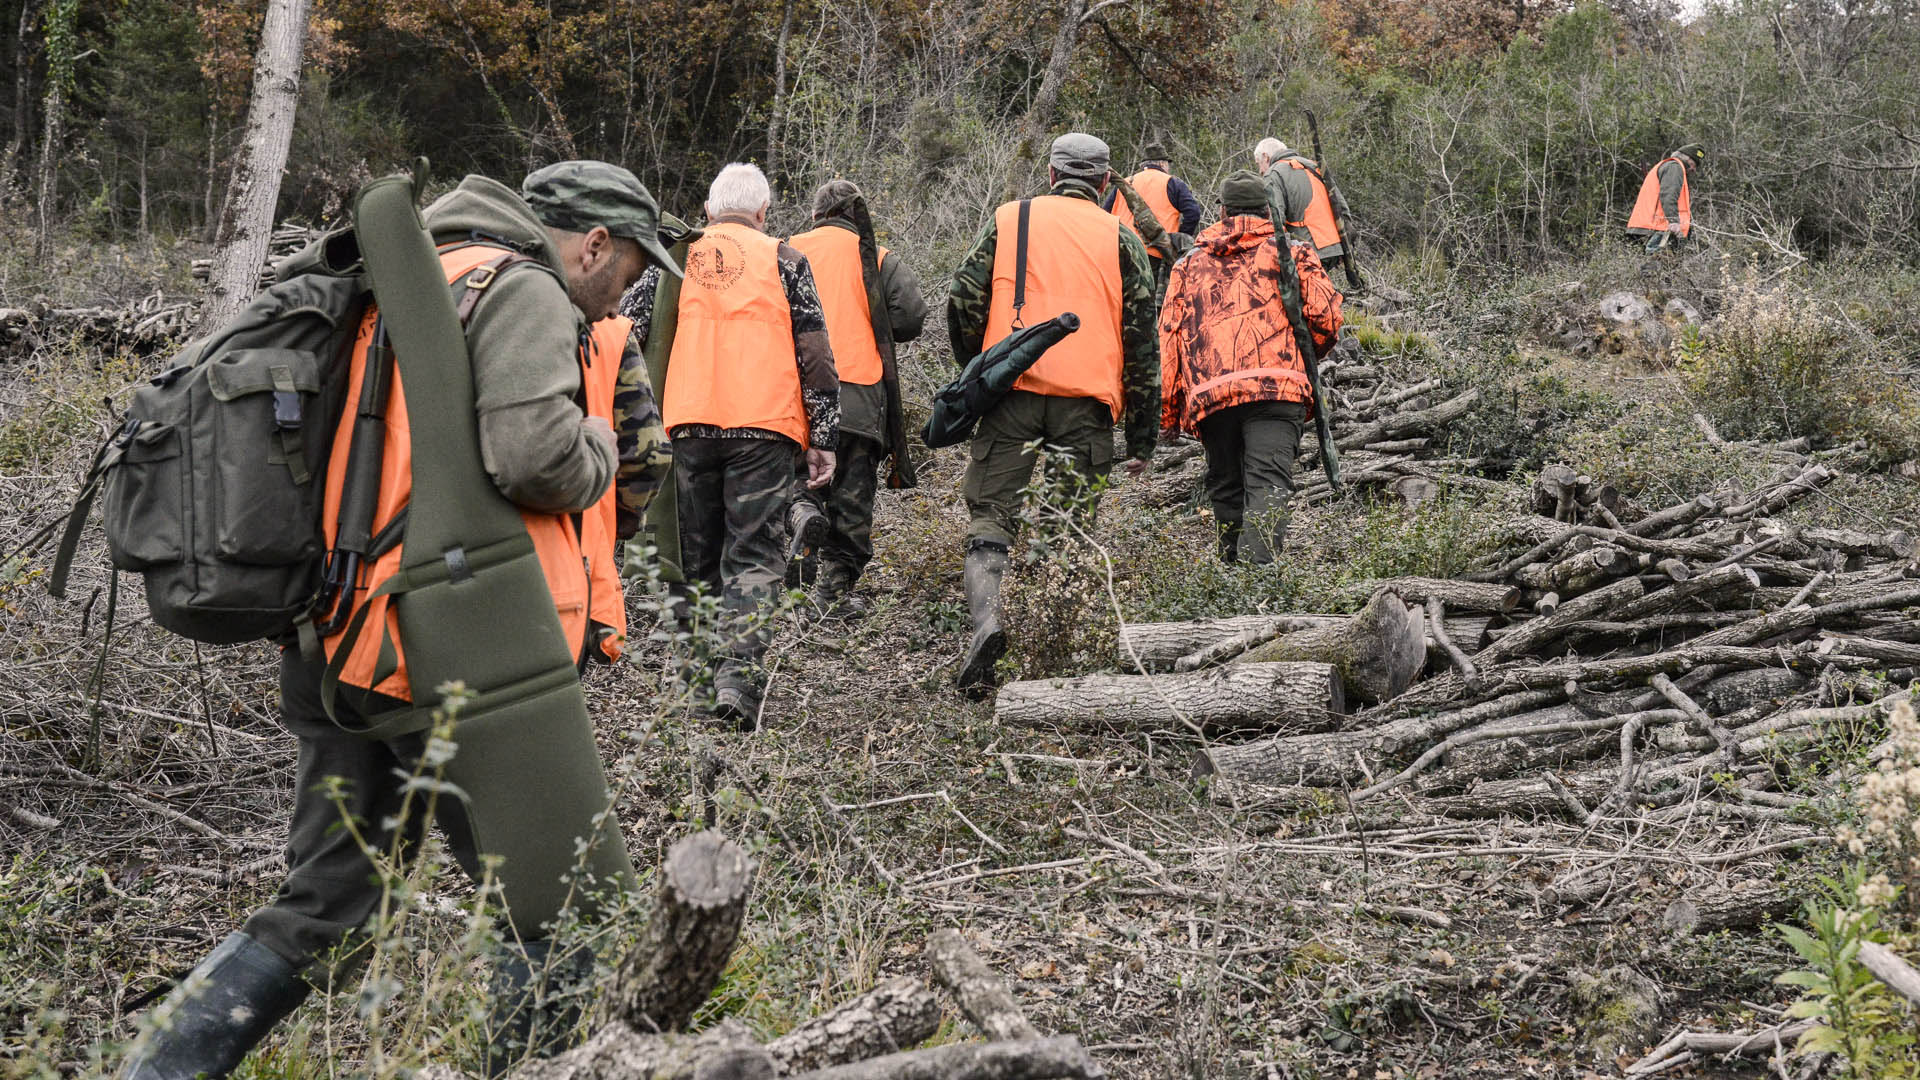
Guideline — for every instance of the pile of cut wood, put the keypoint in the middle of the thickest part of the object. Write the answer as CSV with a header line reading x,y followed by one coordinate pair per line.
x,y
151,320
671,970
1628,666
1385,430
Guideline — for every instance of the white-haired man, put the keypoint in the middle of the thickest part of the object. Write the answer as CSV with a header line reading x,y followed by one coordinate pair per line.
x,y
1312,205
751,392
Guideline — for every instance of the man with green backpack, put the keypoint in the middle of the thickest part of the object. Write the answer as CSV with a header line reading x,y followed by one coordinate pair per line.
x,y
482,478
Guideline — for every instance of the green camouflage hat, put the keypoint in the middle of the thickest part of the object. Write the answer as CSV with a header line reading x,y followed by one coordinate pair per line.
x,y
1693,152
1243,192
578,195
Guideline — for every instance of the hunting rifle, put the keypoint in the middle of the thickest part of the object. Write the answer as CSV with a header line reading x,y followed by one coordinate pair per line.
x,y
1339,217
1291,299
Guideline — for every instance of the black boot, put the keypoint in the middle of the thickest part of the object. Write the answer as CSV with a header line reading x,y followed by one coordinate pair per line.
x,y
210,1021
986,562
833,596
536,1005
1229,540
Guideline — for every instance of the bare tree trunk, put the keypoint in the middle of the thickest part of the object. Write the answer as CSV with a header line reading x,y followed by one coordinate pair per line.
x,y
61,15
22,99
254,190
1033,127
779,113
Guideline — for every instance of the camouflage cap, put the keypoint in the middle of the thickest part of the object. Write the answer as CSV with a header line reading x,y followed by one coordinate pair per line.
x,y
1243,192
578,195
1155,150
1693,152
1080,155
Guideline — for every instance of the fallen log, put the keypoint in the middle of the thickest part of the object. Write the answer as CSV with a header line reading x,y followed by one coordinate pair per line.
x,y
1408,424
1720,907
896,1015
1339,757
1899,975
1295,697
618,1052
1677,516
1377,653
1578,572
676,962
981,994
1457,595
1160,645
1058,1057
1537,633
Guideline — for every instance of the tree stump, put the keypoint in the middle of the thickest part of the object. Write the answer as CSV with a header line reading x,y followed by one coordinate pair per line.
x,y
1377,653
698,906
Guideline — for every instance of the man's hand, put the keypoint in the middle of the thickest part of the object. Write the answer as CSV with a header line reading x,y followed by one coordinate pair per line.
x,y
819,469
1674,227
1136,466
598,426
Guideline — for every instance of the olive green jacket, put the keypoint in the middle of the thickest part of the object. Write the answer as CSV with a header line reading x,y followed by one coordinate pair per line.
x,y
524,338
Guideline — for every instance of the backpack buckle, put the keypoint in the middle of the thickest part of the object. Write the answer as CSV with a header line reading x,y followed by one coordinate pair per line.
x,y
481,277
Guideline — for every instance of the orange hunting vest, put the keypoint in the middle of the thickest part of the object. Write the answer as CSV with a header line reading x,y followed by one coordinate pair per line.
x,y
834,254
1647,212
599,528
378,661
1318,218
1152,186
1073,264
733,364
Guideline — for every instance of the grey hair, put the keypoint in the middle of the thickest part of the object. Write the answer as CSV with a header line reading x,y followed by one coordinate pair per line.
x,y
1269,148
739,189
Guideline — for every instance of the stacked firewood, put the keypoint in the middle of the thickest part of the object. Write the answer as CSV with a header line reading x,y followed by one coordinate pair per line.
x,y
699,905
1615,666
1387,432
151,320
288,237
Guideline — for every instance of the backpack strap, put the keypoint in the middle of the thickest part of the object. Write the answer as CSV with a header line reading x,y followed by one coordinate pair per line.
x,y
1020,262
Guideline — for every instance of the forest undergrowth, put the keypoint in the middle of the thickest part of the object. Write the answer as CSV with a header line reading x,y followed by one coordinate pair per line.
x,y
1178,928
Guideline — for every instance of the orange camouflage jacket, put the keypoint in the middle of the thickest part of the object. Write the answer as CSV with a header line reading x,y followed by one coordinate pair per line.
x,y
1224,335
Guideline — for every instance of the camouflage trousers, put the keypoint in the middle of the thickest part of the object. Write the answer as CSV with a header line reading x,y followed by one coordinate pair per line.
x,y
733,496
1250,451
1001,466
848,504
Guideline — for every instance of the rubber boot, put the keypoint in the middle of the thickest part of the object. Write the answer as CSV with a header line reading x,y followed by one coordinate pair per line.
x,y
833,596
986,563
535,1010
737,696
1229,540
219,1013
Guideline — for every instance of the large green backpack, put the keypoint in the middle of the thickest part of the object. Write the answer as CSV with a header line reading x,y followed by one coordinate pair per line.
x,y
211,487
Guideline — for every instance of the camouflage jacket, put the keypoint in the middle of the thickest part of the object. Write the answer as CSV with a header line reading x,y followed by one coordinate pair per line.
x,y
971,296
645,454
1225,336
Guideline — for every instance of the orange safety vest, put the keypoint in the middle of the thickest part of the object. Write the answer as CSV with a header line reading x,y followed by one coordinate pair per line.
x,y
834,254
378,661
1648,214
1152,186
1318,218
599,527
733,363
1073,264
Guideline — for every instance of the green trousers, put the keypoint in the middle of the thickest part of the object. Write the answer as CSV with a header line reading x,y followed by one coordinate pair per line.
x,y
1001,465
1250,451
332,887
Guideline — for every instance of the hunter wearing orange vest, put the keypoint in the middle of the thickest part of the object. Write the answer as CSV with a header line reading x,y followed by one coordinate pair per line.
x,y
1230,371
1663,213
844,509
616,386
536,268
1172,203
1078,259
751,396
1310,203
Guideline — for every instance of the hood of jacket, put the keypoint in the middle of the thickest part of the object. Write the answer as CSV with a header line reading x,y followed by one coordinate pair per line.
x,y
489,207
1234,235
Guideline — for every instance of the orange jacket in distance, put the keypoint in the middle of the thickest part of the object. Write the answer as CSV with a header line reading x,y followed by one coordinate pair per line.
x,y
834,255
733,362
1648,215
1224,335
1318,218
1152,187
378,661
599,528
1073,264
